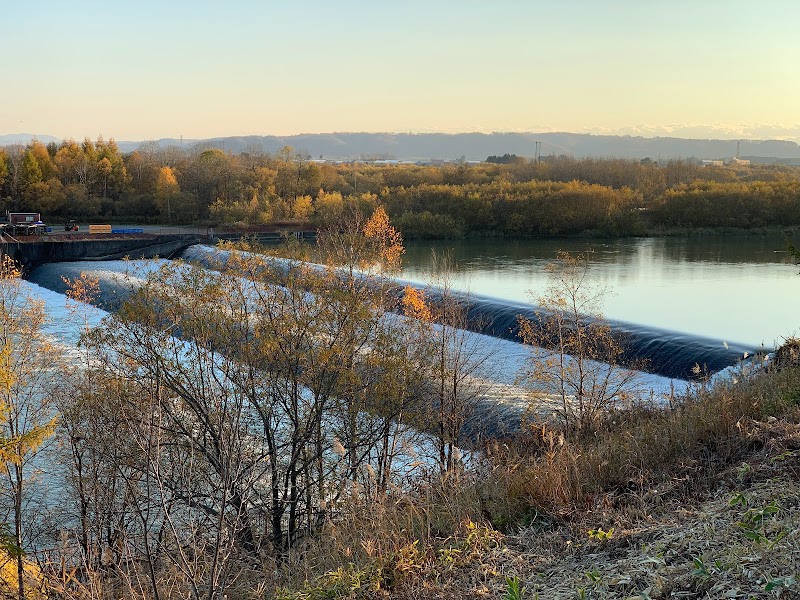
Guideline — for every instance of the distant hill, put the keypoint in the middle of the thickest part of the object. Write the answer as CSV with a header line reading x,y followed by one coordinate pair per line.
x,y
23,138
477,146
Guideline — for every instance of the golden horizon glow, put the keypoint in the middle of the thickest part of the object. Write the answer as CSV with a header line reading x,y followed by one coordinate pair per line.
x,y
204,69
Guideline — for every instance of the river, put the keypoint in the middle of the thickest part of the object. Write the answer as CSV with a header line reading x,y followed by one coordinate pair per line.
x,y
728,289
743,289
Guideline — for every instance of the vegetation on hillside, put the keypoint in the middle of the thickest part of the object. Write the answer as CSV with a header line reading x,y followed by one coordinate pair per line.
x,y
507,195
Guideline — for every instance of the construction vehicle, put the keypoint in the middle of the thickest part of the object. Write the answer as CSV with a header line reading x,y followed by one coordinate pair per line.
x,y
71,225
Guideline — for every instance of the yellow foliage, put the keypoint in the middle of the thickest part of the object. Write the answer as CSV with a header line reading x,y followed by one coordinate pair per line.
x,y
24,355
414,304
600,535
388,238
9,269
332,201
167,183
302,208
32,575
7,378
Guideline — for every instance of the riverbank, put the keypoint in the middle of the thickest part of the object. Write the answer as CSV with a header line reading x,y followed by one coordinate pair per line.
x,y
699,501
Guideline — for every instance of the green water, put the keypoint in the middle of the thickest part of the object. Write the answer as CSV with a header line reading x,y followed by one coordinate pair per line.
x,y
733,288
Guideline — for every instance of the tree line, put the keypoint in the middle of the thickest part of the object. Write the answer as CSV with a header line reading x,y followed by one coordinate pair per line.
x,y
508,195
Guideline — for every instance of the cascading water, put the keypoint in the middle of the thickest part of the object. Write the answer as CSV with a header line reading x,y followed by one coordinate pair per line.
x,y
503,400
669,354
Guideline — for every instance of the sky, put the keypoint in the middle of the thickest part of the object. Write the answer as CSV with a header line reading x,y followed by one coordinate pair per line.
x,y
198,69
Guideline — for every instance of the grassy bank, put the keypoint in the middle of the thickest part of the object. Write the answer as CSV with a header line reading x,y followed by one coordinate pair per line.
x,y
698,500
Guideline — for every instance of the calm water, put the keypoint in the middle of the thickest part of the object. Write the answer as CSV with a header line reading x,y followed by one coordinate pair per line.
x,y
735,288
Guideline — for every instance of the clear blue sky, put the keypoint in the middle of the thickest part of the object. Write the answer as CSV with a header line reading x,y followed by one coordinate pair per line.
x,y
146,69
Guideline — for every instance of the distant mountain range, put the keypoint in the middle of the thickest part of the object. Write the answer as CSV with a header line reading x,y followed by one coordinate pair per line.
x,y
476,146
24,138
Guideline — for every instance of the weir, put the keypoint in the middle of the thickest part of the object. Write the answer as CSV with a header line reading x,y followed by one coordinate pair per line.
x,y
498,410
115,284
31,254
672,354
667,353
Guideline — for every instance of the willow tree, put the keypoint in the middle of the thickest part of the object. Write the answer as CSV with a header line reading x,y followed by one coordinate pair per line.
x,y
26,414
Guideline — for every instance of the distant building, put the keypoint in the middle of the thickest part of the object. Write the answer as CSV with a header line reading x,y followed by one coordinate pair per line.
x,y
712,163
23,223
739,162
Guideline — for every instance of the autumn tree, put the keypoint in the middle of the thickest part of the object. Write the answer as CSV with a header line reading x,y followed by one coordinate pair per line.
x,y
101,476
302,208
329,207
381,399
31,175
287,185
111,168
208,177
27,419
72,163
245,382
575,354
167,189
456,363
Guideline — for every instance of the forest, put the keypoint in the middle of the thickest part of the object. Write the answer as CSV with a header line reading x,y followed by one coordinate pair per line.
x,y
554,196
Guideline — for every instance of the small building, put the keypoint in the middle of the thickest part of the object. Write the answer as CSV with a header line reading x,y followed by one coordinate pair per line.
x,y
18,218
21,223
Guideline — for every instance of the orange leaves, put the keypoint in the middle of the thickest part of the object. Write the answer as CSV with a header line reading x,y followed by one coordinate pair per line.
x,y
414,304
167,182
85,288
9,269
387,238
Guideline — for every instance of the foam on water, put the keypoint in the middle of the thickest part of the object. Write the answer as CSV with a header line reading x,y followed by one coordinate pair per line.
x,y
506,361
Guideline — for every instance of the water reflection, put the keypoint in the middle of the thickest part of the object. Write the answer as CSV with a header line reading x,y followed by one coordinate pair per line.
x,y
733,288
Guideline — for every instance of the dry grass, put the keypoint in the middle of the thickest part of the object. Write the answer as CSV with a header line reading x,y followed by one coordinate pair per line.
x,y
682,489
637,450
698,501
